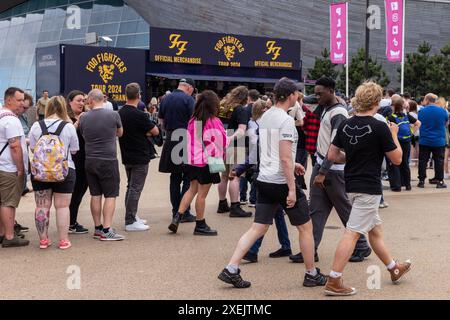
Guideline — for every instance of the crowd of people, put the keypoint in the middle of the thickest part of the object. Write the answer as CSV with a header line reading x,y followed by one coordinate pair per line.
x,y
265,141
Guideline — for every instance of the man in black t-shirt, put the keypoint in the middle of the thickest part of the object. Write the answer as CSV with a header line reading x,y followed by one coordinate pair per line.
x,y
365,141
136,155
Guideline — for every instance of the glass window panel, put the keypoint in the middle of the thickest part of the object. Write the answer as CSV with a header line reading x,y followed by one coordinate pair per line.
x,y
124,41
55,3
143,26
141,40
36,5
128,27
130,14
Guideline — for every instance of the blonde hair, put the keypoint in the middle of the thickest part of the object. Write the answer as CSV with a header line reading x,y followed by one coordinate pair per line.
x,y
57,105
441,102
300,96
237,97
367,96
258,109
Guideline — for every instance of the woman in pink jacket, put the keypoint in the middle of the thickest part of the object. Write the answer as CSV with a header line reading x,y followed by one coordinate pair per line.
x,y
206,137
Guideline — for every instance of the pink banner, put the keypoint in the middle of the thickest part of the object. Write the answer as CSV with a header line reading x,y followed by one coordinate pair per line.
x,y
338,33
394,30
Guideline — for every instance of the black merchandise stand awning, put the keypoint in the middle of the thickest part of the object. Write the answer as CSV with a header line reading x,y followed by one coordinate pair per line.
x,y
216,73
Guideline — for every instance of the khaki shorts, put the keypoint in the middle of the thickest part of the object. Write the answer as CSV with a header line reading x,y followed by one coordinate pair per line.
x,y
11,188
364,215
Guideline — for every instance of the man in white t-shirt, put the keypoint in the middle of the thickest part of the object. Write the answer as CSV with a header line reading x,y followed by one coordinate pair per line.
x,y
106,104
277,187
13,165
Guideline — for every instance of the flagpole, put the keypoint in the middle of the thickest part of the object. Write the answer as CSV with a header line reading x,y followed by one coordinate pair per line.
x,y
403,49
346,53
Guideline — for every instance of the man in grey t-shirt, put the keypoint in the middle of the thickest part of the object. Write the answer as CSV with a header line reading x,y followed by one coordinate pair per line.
x,y
99,128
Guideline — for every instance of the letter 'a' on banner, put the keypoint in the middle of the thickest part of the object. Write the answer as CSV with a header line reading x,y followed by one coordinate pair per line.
x,y
339,33
394,29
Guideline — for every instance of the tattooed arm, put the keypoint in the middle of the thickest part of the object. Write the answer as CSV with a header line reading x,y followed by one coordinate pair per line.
x,y
17,154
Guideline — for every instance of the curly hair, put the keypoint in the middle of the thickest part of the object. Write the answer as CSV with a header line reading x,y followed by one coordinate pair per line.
x,y
237,97
367,96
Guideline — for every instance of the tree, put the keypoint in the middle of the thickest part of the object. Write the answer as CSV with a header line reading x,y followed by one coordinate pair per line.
x,y
323,67
357,74
418,70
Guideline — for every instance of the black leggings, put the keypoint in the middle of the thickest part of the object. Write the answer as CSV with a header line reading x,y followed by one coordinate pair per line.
x,y
79,191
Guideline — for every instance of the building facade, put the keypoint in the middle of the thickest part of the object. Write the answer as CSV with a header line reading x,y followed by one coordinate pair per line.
x,y
39,23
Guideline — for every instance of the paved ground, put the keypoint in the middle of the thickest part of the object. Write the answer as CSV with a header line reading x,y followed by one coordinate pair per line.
x,y
158,265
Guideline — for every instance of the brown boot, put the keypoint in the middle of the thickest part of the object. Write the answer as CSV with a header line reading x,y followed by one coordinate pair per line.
x,y
335,287
399,271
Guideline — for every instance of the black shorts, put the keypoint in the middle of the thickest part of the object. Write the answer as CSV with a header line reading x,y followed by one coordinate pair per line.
x,y
270,195
201,174
66,187
103,177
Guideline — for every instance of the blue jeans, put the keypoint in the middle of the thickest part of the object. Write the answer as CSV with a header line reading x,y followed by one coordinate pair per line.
x,y
283,235
243,186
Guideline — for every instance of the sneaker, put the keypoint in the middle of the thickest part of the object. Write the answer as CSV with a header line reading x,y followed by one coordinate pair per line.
x,y
77,229
188,218
396,189
318,281
399,271
237,212
20,228
360,255
252,205
204,231
19,235
15,242
223,207
408,188
421,184
142,221
111,236
280,253
298,258
64,244
251,257
234,279
441,185
433,181
175,223
336,288
98,234
44,244
384,205
136,227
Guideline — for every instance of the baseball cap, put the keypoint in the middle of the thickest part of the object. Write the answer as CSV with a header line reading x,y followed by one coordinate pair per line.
x,y
189,81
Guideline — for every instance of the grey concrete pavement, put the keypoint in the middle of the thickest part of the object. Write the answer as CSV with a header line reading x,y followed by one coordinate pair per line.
x,y
159,265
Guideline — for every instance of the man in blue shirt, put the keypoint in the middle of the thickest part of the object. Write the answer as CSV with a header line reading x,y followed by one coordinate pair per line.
x,y
175,111
432,140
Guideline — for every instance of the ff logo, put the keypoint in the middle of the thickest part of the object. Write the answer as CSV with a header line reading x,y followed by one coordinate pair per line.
x,y
176,43
271,49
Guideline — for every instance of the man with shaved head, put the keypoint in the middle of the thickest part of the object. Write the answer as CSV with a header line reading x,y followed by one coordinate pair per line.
x,y
100,128
432,140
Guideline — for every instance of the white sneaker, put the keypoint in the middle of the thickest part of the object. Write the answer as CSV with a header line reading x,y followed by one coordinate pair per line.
x,y
135,227
141,221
